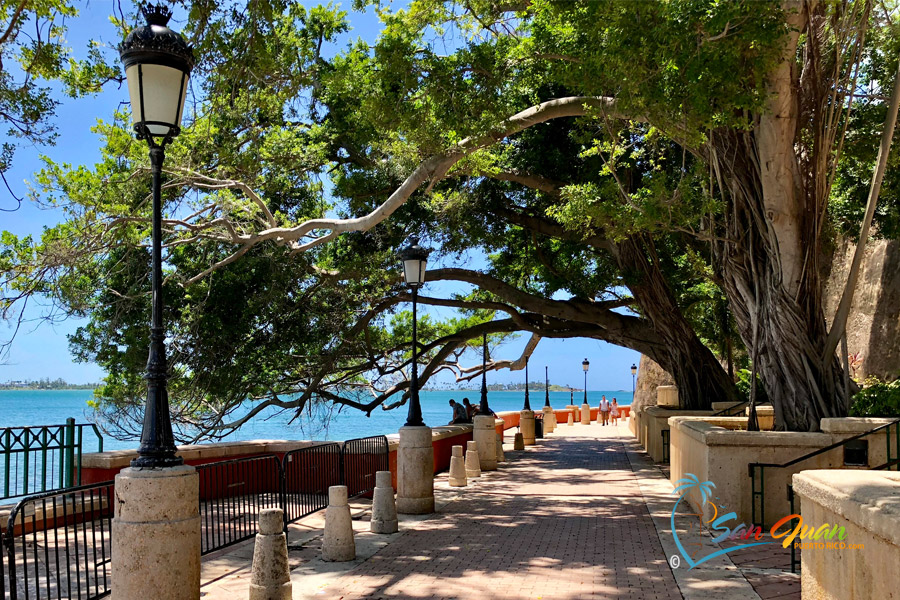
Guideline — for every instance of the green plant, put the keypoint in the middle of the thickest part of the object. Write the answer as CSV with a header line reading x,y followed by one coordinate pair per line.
x,y
877,399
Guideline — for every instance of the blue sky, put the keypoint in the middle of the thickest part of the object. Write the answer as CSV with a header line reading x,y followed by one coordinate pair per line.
x,y
42,350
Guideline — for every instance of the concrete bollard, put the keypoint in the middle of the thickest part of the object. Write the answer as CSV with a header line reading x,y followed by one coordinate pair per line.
x,y
338,544
384,509
585,414
485,435
518,442
549,421
457,468
571,420
500,456
156,534
270,576
473,463
415,472
526,424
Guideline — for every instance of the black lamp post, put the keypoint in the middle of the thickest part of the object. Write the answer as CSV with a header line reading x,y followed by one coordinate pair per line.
x,y
483,406
158,64
527,403
633,373
546,387
415,259
585,364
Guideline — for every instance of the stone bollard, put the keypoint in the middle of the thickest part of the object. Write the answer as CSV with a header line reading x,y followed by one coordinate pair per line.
x,y
571,420
485,435
384,509
457,468
156,534
415,472
473,463
518,442
585,414
338,544
500,456
526,424
270,576
549,421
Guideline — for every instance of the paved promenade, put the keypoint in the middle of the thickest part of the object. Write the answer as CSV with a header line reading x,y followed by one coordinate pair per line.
x,y
584,514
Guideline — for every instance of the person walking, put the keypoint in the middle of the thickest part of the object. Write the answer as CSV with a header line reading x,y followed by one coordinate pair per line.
x,y
614,412
604,410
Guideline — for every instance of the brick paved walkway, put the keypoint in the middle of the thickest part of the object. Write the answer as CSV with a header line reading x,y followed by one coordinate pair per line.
x,y
583,514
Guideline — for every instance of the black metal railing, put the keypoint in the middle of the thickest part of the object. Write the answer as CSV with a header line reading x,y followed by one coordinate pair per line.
x,y
733,410
665,445
232,493
361,458
57,544
795,561
757,471
43,458
308,473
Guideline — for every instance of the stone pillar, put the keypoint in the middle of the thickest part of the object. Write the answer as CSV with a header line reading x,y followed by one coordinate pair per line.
x,y
457,468
553,422
415,472
500,457
384,509
270,576
526,424
548,423
585,414
667,395
338,544
571,420
485,435
156,534
518,442
473,462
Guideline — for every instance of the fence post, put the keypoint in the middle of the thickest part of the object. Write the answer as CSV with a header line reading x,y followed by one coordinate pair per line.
x,y
70,452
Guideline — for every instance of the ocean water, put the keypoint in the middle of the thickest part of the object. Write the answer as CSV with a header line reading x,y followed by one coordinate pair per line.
x,y
31,408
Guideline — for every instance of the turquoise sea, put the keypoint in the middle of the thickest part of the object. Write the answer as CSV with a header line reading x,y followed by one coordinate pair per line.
x,y
30,408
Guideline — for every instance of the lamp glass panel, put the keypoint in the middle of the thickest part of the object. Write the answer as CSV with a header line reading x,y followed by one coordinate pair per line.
x,y
414,272
164,96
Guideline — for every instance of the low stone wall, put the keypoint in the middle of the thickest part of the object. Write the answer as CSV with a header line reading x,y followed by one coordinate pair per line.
x,y
655,420
719,449
865,563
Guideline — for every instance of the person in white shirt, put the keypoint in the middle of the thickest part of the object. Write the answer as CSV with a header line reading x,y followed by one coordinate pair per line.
x,y
604,410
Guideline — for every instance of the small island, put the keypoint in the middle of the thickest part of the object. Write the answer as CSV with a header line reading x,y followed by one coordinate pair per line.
x,y
45,384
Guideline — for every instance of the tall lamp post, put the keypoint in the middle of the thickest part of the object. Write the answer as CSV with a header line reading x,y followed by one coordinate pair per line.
x,y
158,64
547,387
527,403
483,406
633,374
585,364
415,259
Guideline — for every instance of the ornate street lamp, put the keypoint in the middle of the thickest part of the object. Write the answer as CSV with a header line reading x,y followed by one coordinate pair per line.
x,y
527,403
158,64
415,259
633,373
483,406
546,387
585,364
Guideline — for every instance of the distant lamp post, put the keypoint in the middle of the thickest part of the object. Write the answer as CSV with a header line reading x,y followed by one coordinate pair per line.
x,y
633,374
585,364
483,406
527,403
546,387
415,260
158,64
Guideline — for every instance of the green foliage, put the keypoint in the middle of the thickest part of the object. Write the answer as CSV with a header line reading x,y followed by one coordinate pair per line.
x,y
743,386
877,399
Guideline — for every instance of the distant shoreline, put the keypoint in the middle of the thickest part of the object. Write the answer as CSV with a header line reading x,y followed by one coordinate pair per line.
x,y
4,388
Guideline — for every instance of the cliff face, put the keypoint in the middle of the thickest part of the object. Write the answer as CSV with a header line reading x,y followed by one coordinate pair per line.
x,y
650,376
873,329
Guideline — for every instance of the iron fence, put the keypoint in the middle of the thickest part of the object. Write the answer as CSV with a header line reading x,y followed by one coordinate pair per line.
x,y
361,458
232,493
44,458
308,473
58,544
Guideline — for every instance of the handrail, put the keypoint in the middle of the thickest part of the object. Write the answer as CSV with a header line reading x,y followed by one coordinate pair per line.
x,y
728,409
826,448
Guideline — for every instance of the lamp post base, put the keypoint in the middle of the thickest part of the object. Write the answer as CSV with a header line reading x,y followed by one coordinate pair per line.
x,y
526,424
415,472
485,434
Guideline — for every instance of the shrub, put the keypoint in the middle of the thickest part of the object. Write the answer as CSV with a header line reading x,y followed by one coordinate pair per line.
x,y
877,399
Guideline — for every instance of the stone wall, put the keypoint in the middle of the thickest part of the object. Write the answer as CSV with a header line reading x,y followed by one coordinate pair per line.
x,y
650,376
873,328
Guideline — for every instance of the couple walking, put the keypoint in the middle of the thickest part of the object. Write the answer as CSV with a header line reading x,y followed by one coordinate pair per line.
x,y
608,410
